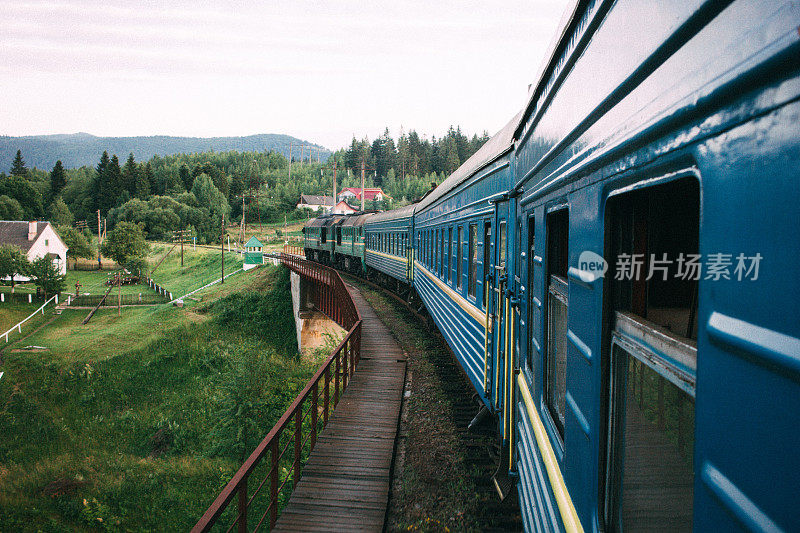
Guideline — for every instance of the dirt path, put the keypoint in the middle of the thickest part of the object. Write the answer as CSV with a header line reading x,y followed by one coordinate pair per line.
x,y
442,472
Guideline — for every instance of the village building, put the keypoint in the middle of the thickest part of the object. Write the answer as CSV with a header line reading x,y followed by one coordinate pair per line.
x,y
343,208
370,193
36,240
315,203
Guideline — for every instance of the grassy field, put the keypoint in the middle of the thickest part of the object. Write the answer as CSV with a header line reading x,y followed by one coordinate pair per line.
x,y
201,266
136,422
12,313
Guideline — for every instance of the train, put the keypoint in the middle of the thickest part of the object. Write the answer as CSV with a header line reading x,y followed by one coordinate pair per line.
x,y
616,270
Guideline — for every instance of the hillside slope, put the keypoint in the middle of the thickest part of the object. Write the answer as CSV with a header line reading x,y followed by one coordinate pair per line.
x,y
79,149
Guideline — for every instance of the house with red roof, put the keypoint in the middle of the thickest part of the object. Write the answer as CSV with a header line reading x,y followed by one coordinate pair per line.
x,y
370,193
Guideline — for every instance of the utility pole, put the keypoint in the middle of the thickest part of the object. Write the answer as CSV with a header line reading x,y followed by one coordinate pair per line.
x,y
222,247
334,185
290,161
243,222
363,165
99,242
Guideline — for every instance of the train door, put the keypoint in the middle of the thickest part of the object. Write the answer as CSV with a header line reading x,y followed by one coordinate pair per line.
x,y
488,299
500,309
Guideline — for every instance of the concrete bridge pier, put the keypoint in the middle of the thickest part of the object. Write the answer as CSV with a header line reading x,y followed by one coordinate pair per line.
x,y
314,329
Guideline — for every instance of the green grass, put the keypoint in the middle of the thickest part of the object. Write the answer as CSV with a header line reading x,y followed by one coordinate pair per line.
x,y
135,422
201,266
94,282
13,312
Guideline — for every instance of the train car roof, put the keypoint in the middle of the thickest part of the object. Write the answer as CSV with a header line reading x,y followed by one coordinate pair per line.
x,y
357,219
324,221
553,60
497,146
401,212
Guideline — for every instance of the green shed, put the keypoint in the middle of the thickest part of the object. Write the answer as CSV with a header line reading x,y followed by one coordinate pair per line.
x,y
253,254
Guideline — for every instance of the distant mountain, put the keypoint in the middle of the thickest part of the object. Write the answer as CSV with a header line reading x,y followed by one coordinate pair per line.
x,y
79,149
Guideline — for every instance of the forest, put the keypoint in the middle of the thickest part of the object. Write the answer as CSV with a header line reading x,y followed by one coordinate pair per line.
x,y
195,191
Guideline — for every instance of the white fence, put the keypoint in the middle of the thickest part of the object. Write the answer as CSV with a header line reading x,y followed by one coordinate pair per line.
x,y
19,326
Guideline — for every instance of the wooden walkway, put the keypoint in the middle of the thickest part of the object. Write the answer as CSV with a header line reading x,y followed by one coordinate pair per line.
x,y
344,486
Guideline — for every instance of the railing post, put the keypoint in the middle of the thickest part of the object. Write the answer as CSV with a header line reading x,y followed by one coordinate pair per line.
x,y
345,366
326,392
314,392
298,443
242,522
336,379
273,482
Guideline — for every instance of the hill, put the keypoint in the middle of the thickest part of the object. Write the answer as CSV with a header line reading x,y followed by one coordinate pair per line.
x,y
79,149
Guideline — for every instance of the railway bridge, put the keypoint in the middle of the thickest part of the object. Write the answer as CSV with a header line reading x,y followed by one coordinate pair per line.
x,y
326,464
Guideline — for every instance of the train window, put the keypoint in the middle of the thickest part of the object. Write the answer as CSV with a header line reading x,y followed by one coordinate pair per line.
x,y
555,363
443,259
652,357
459,260
436,252
323,237
449,254
531,304
502,233
430,250
473,259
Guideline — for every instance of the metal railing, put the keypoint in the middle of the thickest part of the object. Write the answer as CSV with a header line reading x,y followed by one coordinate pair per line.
x,y
290,249
295,434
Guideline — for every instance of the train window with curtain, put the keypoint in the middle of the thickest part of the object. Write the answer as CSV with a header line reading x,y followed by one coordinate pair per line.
x,y
652,357
532,344
459,260
502,234
473,260
555,360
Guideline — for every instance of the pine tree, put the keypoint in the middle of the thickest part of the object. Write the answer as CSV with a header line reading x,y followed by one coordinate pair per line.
x,y
130,175
114,181
148,174
18,168
57,179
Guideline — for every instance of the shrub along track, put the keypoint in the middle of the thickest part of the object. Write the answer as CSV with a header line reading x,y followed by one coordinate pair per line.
x,y
442,472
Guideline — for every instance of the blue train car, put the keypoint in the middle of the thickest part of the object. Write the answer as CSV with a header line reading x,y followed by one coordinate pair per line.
x,y
660,147
456,228
616,271
388,243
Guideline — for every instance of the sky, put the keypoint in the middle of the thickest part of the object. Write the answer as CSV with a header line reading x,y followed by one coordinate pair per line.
x,y
320,71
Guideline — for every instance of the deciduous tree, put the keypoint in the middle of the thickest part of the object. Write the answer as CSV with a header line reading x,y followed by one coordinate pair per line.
x,y
125,242
47,276
12,263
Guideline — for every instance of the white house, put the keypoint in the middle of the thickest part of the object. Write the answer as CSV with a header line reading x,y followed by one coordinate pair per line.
x,y
35,239
315,203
